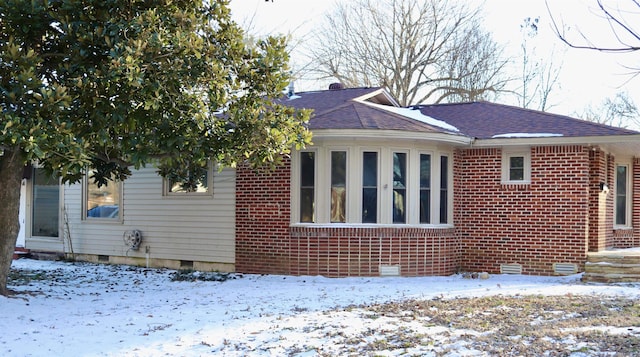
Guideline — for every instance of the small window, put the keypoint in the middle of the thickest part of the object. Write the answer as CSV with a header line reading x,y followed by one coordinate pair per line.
x,y
307,186
399,187
198,182
338,186
369,187
516,167
622,196
102,202
444,189
425,188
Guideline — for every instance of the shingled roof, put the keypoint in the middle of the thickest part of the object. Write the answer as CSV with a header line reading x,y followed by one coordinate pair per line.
x,y
375,109
484,120
356,108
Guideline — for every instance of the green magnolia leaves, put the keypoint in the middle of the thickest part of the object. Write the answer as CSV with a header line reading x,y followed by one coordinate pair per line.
x,y
115,84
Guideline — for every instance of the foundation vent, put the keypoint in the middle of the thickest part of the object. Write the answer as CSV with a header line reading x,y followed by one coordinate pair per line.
x,y
565,268
510,268
389,270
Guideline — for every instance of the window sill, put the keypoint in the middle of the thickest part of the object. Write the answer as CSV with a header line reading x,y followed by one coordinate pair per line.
x,y
43,239
524,182
102,221
622,228
188,196
371,225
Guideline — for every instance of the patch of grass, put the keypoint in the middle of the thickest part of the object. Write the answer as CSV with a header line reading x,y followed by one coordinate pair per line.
x,y
18,277
192,275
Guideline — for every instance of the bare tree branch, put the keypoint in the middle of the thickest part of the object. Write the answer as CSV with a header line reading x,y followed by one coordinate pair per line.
x,y
413,48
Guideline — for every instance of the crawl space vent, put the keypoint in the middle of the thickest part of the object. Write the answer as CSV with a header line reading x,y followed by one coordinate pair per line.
x,y
389,270
510,268
565,268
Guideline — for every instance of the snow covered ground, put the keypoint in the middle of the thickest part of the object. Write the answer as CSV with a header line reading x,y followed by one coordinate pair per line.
x,y
80,309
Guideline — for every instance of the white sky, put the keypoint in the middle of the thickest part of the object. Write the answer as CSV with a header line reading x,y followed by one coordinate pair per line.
x,y
587,76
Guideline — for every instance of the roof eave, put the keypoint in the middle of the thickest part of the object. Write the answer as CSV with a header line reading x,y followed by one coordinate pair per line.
x,y
382,134
555,140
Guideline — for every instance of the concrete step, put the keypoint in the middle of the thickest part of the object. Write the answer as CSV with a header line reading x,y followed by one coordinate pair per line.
x,y
611,278
612,267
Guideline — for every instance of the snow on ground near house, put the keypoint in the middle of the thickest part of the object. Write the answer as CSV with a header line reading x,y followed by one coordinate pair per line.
x,y
81,309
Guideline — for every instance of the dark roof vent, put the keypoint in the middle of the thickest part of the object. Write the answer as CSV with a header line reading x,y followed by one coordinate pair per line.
x,y
336,86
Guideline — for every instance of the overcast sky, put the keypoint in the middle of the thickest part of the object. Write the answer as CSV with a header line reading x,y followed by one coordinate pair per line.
x,y
587,76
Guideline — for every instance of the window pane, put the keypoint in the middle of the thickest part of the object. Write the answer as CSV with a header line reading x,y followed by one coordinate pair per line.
x,y
399,187
104,201
307,186
46,204
516,168
338,186
621,195
369,187
425,188
444,191
196,182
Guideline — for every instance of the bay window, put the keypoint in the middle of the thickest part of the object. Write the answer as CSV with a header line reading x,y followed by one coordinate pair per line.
x,y
371,185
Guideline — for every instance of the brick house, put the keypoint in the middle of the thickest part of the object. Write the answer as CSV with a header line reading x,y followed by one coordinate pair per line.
x,y
436,189
383,190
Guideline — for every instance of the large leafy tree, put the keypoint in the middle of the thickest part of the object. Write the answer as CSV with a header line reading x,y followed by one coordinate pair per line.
x,y
113,85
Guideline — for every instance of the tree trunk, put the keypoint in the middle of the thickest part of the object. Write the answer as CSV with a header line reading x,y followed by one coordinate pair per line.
x,y
11,168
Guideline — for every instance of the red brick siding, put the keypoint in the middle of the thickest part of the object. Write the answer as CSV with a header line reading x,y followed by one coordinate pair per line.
x,y
534,224
351,251
629,238
265,242
597,200
262,220
636,204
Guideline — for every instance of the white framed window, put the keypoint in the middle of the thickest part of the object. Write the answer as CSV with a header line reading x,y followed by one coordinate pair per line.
x,y
307,186
445,189
622,211
516,166
101,203
338,186
399,193
372,185
425,197
198,183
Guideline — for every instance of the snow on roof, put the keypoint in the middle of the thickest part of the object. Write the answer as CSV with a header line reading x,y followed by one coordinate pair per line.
x,y
526,135
415,114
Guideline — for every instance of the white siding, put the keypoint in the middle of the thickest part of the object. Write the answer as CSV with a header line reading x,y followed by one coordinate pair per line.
x,y
178,228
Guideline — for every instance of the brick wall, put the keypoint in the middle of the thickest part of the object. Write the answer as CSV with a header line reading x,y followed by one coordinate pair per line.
x,y
262,220
351,251
266,244
534,224
636,203
598,200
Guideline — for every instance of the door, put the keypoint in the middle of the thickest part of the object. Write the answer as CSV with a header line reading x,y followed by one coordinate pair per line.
x,y
45,205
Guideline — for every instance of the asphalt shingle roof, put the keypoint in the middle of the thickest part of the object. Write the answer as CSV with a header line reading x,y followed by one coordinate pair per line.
x,y
337,109
484,120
